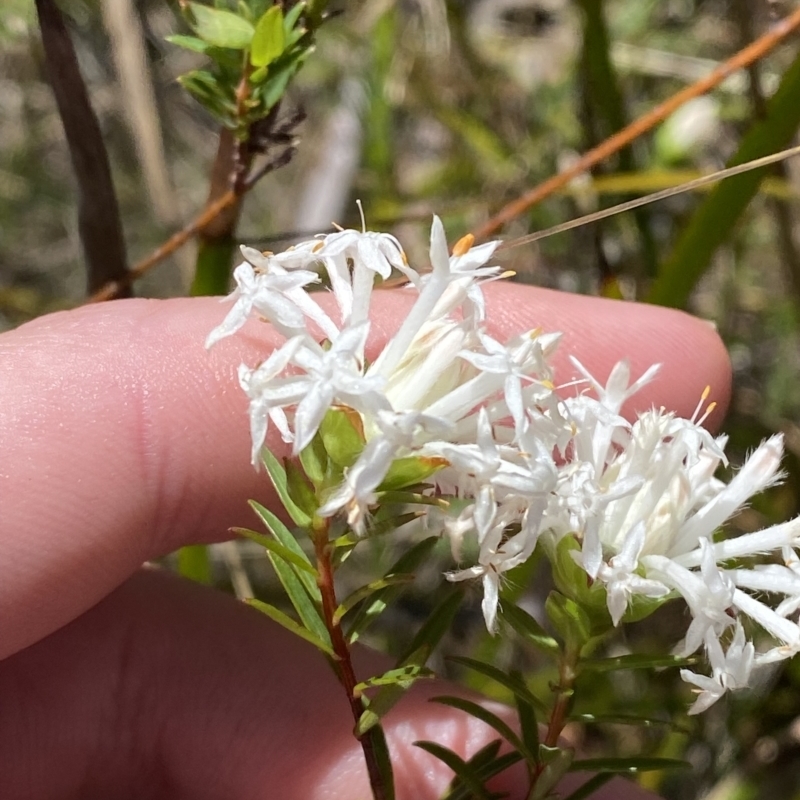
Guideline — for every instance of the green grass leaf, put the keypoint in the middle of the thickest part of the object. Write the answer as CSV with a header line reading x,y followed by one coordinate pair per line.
x,y
714,221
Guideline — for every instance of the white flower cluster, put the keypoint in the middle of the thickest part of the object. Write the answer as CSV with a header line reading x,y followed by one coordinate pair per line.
x,y
640,498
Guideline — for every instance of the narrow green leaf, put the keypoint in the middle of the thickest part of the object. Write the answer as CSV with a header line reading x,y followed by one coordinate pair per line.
x,y
188,43
406,497
291,625
389,695
526,713
633,661
343,435
315,461
277,474
591,786
220,28
409,471
528,628
194,563
381,749
627,719
406,564
515,686
299,489
279,549
485,769
307,609
367,591
268,39
284,70
492,720
292,15
485,764
391,524
630,765
402,677
569,619
464,772
288,540
439,621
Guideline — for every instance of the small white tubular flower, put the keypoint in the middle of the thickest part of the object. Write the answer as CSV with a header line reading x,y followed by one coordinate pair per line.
x,y
275,294
516,363
617,389
256,384
729,670
498,554
758,473
398,434
621,579
335,373
709,595
433,288
377,252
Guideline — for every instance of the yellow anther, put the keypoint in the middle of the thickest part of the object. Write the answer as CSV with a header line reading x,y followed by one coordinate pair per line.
x,y
317,247
706,393
463,245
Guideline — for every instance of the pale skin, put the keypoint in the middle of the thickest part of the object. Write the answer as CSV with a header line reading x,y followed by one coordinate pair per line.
x,y
121,439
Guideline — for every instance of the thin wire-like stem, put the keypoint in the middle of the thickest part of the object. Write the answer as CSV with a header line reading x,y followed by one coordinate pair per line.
x,y
758,49
343,663
697,183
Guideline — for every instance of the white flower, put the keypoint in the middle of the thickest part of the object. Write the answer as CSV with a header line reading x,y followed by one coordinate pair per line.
x,y
498,554
264,286
729,670
621,579
398,433
639,497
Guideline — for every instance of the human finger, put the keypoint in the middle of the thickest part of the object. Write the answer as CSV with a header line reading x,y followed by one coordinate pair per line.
x,y
123,438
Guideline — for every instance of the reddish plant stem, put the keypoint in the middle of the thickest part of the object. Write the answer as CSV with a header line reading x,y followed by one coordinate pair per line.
x,y
558,716
343,664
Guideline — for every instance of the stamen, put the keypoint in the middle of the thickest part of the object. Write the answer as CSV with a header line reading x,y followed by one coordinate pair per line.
x,y
363,220
703,398
463,245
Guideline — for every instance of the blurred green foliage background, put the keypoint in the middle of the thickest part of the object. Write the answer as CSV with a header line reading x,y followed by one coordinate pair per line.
x,y
456,107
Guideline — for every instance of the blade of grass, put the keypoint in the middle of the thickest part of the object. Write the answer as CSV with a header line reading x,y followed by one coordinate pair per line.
x,y
714,221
